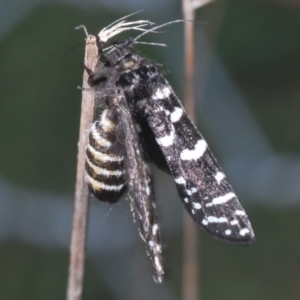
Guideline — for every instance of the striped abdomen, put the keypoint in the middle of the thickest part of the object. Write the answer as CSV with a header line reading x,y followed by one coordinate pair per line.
x,y
105,169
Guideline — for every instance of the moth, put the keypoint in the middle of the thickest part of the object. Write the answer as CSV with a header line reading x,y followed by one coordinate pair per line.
x,y
143,121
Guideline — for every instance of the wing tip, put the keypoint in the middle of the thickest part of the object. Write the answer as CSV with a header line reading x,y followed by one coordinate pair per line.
x,y
158,278
231,235
237,239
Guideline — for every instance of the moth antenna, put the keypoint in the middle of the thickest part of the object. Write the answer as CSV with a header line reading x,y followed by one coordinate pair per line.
x,y
84,29
121,25
114,22
156,27
107,48
152,44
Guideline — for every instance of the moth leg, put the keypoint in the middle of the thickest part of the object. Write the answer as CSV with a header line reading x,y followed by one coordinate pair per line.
x,y
94,78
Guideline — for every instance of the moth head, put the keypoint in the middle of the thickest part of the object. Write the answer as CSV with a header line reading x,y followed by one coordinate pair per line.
x,y
122,56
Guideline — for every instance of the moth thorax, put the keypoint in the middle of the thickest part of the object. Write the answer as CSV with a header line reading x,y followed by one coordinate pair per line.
x,y
130,63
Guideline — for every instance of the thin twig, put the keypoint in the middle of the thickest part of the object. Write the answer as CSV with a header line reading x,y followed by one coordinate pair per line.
x,y
191,277
191,280
78,239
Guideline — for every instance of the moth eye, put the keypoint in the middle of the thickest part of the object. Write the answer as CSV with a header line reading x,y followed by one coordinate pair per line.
x,y
107,64
105,61
128,55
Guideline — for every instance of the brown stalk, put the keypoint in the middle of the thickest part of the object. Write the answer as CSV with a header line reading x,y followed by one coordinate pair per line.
x,y
81,204
191,278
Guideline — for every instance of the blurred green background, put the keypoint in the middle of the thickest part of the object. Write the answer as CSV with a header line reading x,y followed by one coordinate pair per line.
x,y
256,42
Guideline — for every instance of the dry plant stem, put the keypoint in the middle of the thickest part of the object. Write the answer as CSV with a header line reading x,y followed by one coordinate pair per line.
x,y
79,229
191,278
190,281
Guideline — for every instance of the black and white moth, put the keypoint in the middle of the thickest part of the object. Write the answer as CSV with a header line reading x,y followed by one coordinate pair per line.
x,y
143,121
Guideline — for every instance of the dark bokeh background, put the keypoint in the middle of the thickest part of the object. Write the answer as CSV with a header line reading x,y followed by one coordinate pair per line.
x,y
258,44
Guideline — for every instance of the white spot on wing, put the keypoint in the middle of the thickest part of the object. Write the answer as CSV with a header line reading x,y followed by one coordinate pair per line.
x,y
158,94
196,153
221,199
154,229
147,190
234,222
204,222
240,212
161,93
166,140
197,205
228,232
186,200
194,190
244,231
219,177
167,112
212,219
180,180
166,92
176,114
